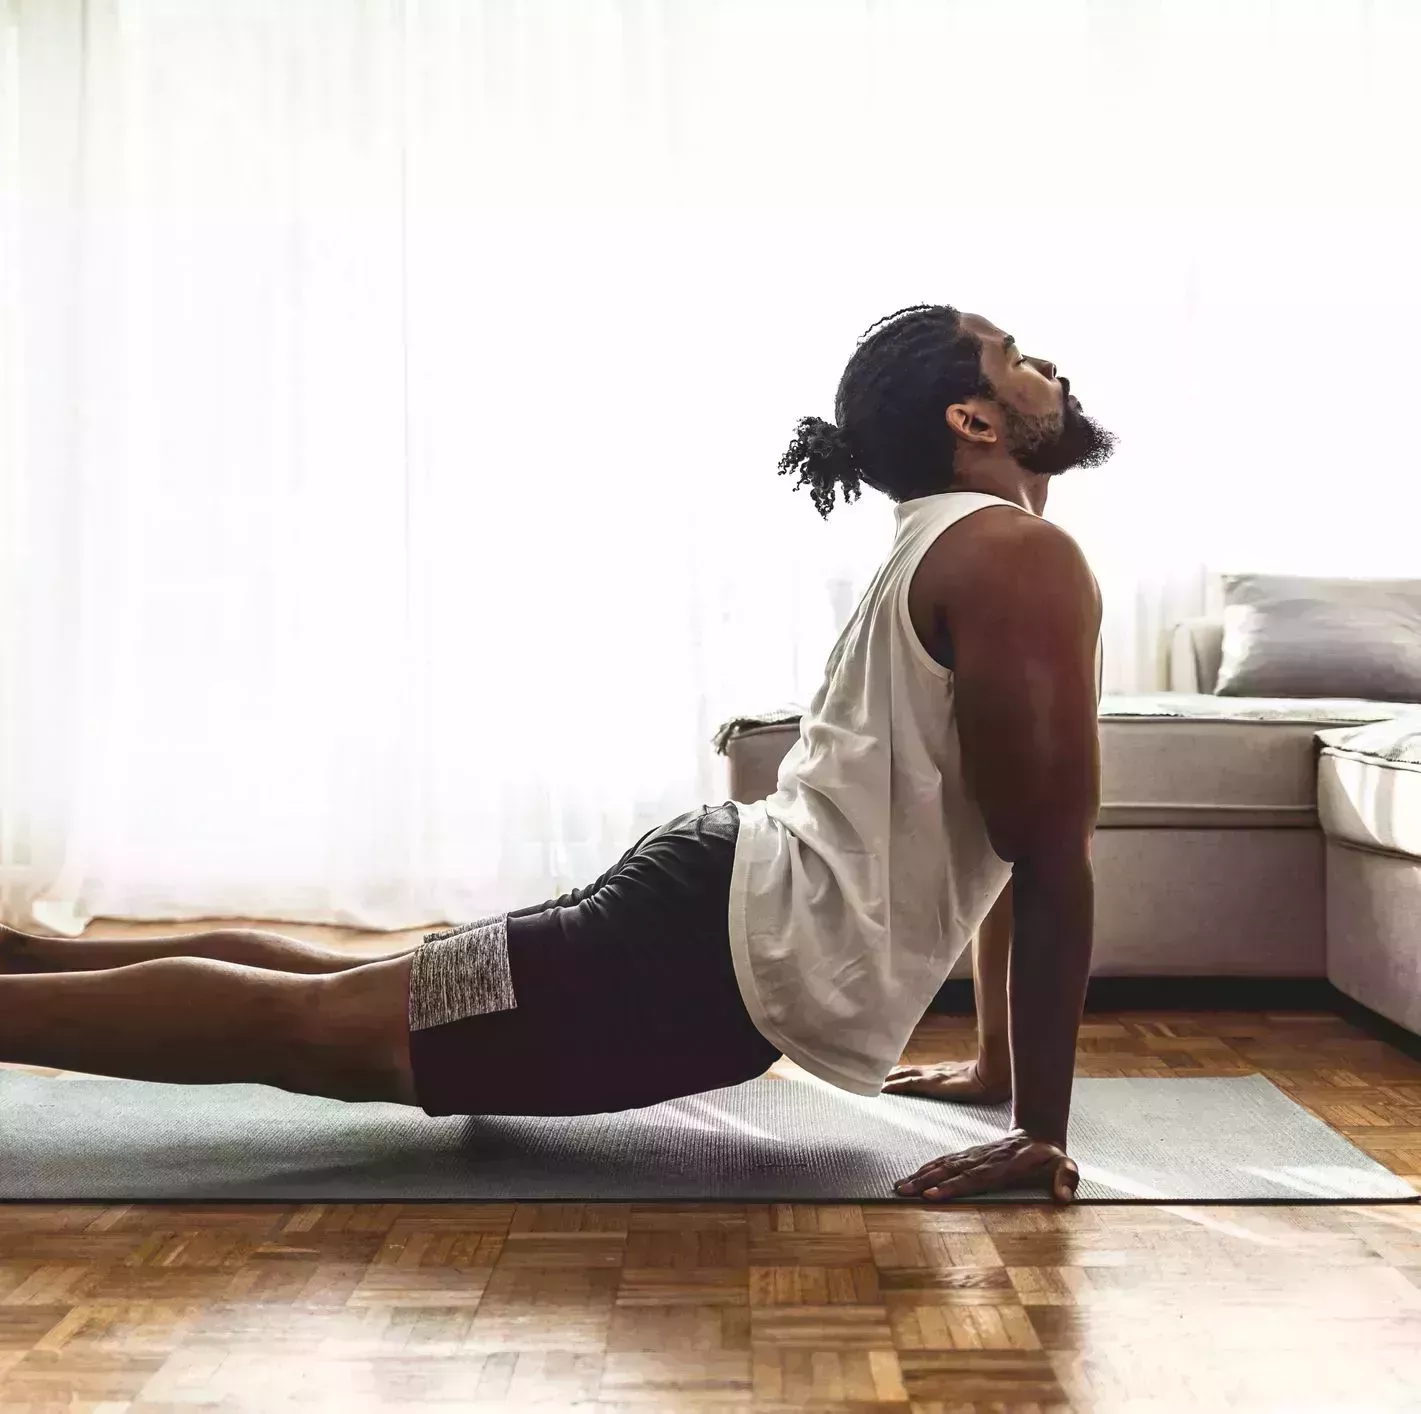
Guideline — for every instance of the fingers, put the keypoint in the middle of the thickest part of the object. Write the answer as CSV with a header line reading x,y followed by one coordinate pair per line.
x,y
901,1072
947,1166
1065,1181
966,1158
911,1187
922,1086
941,1168
902,1075
993,1166
977,1180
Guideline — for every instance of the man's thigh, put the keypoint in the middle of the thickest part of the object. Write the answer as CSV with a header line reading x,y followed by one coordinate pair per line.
x,y
357,1035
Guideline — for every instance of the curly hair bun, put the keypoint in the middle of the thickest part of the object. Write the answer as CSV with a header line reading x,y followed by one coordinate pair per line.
x,y
820,454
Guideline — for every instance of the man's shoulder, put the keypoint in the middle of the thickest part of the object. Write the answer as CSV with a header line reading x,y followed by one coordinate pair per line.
x,y
993,550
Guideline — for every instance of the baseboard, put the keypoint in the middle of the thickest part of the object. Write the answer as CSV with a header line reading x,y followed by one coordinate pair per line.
x,y
1212,994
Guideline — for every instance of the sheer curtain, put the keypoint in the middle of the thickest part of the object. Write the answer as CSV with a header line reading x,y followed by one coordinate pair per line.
x,y
392,392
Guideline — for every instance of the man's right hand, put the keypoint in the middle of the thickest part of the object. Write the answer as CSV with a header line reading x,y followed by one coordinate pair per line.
x,y
1014,1161
961,1081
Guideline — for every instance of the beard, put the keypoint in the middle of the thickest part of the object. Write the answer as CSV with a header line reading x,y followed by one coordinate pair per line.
x,y
1048,447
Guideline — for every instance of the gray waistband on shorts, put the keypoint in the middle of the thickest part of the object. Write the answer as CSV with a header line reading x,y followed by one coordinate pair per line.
x,y
461,972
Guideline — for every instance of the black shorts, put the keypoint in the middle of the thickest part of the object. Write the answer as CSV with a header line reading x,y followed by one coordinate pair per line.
x,y
614,996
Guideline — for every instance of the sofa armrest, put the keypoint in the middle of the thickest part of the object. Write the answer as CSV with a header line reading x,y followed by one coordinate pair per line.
x,y
1195,653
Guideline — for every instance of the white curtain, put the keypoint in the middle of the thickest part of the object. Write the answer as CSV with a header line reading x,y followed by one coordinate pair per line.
x,y
392,392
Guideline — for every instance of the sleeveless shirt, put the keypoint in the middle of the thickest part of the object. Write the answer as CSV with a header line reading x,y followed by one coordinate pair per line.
x,y
858,883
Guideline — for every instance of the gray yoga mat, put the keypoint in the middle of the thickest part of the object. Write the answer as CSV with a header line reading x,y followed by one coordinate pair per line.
x,y
93,1139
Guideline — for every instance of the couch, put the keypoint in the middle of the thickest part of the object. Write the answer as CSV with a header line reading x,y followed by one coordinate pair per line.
x,y
1238,837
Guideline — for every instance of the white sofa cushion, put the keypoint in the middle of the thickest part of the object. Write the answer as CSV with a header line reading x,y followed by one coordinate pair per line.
x,y
1190,760
1198,761
1369,785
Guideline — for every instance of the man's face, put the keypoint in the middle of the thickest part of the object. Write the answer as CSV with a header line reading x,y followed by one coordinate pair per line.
x,y
1034,412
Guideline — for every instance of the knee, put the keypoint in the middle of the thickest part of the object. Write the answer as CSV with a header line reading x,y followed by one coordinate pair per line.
x,y
269,1023
244,946
353,1032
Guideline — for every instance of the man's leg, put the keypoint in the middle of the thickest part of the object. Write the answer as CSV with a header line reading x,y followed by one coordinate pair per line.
x,y
251,947
198,1021
27,953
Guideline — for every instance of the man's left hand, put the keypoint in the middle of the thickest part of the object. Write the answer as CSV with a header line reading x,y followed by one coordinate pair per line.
x,y
1013,1162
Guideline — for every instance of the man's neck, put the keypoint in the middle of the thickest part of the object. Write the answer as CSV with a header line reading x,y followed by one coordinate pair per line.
x,y
1007,480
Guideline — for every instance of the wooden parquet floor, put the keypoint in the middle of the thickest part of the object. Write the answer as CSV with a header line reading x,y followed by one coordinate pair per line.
x,y
817,1309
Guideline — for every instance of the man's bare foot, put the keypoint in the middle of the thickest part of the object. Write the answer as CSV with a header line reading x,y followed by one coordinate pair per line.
x,y
961,1081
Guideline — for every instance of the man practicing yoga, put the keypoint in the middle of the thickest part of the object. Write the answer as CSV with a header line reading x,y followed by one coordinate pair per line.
x,y
944,786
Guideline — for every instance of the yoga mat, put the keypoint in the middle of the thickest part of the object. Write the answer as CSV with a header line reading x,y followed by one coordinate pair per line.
x,y
94,1139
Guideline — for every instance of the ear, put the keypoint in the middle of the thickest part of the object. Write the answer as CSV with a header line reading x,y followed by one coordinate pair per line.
x,y
971,422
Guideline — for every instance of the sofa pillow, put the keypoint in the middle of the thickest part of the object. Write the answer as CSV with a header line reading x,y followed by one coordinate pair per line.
x,y
1294,636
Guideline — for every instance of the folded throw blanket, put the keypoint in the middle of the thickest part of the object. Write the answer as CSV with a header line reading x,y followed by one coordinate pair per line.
x,y
1201,706
1208,707
1398,740
735,725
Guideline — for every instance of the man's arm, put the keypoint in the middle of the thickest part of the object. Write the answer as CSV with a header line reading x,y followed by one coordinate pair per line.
x,y
986,1079
1028,724
990,950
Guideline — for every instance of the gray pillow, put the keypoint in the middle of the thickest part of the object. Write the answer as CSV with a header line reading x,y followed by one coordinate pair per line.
x,y
1293,636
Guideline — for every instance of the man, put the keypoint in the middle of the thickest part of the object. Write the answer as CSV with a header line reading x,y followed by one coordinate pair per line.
x,y
993,777
950,751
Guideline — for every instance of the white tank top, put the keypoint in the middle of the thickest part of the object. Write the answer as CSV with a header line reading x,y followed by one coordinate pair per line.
x,y
859,882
